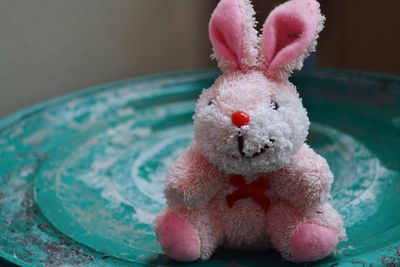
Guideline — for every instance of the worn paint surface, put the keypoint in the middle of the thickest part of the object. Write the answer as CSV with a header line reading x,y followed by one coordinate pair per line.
x,y
81,177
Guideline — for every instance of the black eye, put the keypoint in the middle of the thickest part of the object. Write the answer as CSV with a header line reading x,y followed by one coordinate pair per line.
x,y
211,102
274,105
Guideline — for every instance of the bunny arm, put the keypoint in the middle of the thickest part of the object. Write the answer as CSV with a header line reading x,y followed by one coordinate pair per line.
x,y
305,183
193,181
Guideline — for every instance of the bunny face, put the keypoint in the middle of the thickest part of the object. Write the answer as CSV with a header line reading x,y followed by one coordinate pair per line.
x,y
276,128
252,119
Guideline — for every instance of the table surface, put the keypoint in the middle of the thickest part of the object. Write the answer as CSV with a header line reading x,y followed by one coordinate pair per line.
x,y
81,177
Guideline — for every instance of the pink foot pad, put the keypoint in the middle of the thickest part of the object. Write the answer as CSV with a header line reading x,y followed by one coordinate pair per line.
x,y
177,237
313,242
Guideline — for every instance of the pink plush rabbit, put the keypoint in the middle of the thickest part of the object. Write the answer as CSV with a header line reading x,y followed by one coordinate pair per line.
x,y
249,181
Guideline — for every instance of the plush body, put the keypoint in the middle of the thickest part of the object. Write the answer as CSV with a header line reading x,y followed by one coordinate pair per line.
x,y
249,181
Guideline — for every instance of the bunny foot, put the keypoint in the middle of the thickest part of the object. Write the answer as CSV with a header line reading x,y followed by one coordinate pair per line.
x,y
313,242
177,237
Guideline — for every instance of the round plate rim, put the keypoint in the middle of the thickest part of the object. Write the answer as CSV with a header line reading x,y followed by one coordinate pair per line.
x,y
9,119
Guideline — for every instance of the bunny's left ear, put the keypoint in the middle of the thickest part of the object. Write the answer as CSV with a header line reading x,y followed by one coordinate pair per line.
x,y
289,34
233,36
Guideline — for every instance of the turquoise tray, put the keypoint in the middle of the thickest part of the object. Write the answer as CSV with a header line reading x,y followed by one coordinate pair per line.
x,y
81,177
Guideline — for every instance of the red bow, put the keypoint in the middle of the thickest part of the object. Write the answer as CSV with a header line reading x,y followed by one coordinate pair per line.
x,y
255,190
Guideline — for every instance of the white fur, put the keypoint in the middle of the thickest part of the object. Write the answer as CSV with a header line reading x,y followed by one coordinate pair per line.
x,y
252,93
250,35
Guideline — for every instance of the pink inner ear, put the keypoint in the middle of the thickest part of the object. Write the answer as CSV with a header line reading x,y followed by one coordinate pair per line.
x,y
225,44
226,31
289,31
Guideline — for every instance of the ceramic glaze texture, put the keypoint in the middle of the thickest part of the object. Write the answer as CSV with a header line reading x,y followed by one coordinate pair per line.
x,y
81,178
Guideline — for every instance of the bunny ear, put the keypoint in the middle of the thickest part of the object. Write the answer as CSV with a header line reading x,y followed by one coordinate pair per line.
x,y
289,34
233,35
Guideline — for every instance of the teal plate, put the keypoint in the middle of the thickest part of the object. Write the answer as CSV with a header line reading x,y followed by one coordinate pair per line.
x,y
81,177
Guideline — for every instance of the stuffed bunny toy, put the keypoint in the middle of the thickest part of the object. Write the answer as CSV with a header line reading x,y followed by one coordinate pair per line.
x,y
249,181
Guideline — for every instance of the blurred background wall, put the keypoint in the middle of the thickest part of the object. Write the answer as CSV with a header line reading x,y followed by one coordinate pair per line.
x,y
50,48
358,34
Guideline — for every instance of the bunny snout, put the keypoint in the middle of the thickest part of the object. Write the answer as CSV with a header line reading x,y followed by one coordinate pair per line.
x,y
240,119
247,154
257,132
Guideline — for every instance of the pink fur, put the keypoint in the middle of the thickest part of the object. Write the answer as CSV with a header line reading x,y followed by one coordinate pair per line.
x,y
233,35
288,32
192,184
313,242
253,185
226,31
177,238
246,225
302,179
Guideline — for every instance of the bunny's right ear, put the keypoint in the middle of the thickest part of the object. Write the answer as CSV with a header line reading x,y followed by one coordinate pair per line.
x,y
289,34
233,35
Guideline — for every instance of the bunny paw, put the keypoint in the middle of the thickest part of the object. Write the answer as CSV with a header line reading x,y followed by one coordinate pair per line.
x,y
177,237
313,242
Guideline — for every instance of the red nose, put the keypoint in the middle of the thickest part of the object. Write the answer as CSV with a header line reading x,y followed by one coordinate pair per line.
x,y
240,119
